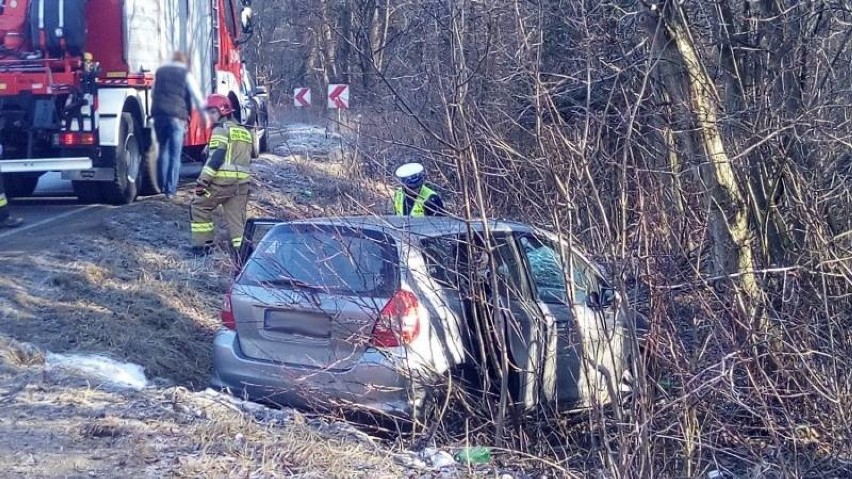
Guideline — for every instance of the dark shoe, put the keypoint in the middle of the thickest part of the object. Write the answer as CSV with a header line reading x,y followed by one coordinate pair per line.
x,y
11,222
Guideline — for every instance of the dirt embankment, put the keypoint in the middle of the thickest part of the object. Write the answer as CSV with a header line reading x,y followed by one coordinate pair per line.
x,y
129,290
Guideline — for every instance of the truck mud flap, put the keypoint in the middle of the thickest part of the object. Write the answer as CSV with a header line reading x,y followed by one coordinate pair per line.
x,y
90,174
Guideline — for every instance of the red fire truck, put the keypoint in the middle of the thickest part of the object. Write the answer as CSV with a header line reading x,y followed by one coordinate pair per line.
x,y
76,79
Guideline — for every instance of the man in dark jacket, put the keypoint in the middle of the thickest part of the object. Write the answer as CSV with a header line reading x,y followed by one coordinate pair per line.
x,y
175,90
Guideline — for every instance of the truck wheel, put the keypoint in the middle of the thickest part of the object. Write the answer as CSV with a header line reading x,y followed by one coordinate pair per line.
x,y
194,154
264,142
20,185
255,143
88,191
150,176
128,159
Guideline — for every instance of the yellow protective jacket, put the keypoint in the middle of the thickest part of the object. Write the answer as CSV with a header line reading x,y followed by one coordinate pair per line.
x,y
228,155
419,206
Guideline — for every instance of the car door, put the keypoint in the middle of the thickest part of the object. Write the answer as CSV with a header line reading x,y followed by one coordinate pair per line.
x,y
254,231
463,264
547,272
599,316
521,321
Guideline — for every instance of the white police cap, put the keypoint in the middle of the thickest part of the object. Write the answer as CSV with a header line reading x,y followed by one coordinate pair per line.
x,y
409,169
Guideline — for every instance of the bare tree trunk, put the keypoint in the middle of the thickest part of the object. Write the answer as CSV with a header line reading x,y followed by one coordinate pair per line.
x,y
379,34
729,226
345,56
328,45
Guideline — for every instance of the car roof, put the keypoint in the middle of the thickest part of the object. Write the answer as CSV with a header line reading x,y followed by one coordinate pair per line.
x,y
426,226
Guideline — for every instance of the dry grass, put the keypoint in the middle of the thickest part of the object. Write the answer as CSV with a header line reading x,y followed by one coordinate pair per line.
x,y
299,187
298,449
156,433
17,354
130,292
164,326
107,427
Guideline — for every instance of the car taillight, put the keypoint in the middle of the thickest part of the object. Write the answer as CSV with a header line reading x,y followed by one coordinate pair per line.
x,y
399,321
228,313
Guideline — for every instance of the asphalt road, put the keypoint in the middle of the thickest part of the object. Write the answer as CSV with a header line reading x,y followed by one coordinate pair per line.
x,y
53,212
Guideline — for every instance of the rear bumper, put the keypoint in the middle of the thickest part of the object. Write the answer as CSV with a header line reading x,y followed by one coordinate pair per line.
x,y
371,386
39,165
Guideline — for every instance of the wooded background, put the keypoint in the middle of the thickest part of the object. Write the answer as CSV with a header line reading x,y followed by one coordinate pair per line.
x,y
701,149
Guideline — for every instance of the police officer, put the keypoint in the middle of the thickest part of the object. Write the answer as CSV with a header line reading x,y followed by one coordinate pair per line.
x,y
224,180
414,198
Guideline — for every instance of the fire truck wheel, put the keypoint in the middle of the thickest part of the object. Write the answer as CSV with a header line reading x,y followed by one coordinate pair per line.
x,y
264,141
20,185
255,143
150,181
128,158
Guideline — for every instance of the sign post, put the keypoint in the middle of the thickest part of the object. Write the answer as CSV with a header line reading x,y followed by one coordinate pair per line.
x,y
338,99
301,97
338,96
302,100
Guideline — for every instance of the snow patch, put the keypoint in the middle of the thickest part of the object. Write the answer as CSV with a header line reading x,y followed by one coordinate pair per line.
x,y
308,139
100,368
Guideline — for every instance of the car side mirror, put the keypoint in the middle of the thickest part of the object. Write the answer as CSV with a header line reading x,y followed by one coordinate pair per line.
x,y
260,91
601,300
246,19
593,300
607,297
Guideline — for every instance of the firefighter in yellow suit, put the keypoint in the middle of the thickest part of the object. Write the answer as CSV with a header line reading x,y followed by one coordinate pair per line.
x,y
6,219
224,180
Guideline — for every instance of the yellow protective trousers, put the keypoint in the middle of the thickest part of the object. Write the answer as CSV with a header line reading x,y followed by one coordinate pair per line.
x,y
233,199
4,202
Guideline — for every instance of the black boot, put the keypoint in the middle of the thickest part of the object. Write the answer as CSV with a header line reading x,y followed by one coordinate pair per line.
x,y
11,222
201,251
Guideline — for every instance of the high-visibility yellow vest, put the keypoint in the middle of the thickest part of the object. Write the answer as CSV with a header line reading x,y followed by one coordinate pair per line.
x,y
419,206
238,141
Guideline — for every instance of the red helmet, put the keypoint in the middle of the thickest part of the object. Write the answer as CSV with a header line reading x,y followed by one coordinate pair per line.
x,y
220,103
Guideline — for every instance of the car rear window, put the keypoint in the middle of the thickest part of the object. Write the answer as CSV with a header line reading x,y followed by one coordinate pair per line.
x,y
336,259
447,265
442,259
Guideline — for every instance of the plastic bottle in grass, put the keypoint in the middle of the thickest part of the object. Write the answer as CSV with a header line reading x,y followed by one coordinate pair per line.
x,y
474,455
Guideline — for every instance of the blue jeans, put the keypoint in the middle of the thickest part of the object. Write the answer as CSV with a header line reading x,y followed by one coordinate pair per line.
x,y
170,132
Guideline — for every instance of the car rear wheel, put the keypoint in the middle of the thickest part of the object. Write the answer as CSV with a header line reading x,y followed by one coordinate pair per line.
x,y
445,404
